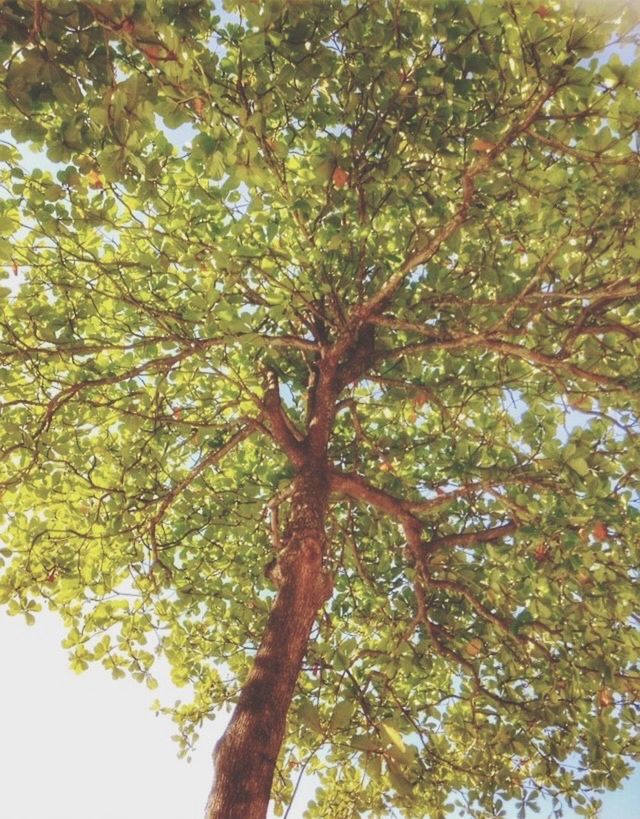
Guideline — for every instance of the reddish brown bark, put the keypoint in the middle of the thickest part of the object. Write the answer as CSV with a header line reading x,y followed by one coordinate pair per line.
x,y
246,756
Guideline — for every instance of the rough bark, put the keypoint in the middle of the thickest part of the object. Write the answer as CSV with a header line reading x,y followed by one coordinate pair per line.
x,y
246,756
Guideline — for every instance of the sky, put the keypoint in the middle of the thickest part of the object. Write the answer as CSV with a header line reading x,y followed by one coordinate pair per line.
x,y
87,746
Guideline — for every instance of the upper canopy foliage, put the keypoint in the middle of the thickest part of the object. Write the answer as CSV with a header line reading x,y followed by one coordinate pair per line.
x,y
219,196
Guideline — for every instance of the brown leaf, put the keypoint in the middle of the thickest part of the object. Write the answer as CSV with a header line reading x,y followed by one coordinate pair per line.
x,y
421,398
482,146
600,531
581,402
198,105
543,12
474,647
340,177
605,698
542,553
153,53
95,179
127,26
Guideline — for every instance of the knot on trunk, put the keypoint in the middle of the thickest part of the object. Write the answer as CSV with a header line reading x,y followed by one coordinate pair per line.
x,y
273,572
303,555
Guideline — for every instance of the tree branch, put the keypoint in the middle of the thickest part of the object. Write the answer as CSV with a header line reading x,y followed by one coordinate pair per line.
x,y
468,538
593,158
430,248
501,346
358,488
213,457
282,427
160,364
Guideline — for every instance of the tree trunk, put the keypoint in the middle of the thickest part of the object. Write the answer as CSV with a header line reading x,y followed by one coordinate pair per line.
x,y
246,755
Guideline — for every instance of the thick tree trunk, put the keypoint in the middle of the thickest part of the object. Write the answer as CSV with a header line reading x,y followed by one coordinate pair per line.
x,y
246,756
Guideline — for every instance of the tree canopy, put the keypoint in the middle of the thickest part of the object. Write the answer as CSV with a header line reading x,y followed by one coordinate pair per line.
x,y
391,247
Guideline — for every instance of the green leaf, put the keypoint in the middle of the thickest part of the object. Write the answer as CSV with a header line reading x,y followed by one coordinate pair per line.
x,y
392,736
7,225
399,781
342,714
310,717
580,466
365,743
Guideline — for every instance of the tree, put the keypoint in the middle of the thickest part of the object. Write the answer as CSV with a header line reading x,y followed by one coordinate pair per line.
x,y
320,379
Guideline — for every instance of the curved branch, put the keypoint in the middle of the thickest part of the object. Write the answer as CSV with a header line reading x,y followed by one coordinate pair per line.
x,y
430,248
592,157
469,538
213,457
20,350
498,345
161,364
358,488
282,427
